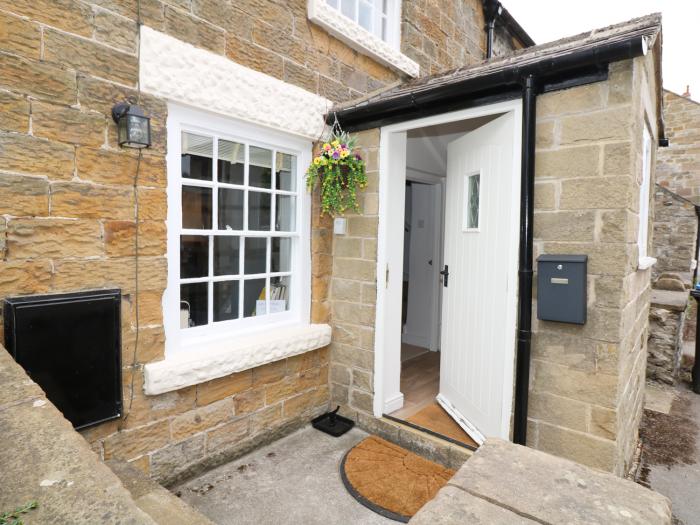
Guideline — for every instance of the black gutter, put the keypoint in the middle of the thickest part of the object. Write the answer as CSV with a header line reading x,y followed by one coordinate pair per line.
x,y
525,271
459,94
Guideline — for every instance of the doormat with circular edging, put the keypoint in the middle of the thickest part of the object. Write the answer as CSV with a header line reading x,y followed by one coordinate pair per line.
x,y
389,479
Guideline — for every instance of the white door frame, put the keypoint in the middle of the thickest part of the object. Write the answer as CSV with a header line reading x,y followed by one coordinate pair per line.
x,y
392,181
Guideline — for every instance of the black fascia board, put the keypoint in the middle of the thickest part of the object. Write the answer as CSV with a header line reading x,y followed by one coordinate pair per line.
x,y
501,84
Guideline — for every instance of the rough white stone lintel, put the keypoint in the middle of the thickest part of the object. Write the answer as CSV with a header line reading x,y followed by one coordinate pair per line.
x,y
234,355
359,38
178,71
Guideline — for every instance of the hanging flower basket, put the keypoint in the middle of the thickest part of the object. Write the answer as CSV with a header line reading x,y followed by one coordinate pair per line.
x,y
340,173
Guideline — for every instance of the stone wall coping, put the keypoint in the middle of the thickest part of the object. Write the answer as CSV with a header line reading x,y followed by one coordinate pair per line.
x,y
225,357
541,488
669,300
44,459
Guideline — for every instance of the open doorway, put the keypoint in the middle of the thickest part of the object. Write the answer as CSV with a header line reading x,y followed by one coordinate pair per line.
x,y
447,335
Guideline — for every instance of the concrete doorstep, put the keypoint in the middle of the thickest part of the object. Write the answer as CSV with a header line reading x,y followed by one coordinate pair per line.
x,y
509,484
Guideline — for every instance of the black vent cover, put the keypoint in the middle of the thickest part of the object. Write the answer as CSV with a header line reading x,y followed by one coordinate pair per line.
x,y
70,345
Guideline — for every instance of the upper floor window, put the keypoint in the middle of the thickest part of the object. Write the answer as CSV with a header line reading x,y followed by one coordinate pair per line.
x,y
372,15
372,27
242,248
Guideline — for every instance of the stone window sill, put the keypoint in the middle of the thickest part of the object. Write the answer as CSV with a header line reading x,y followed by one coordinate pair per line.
x,y
646,262
359,38
224,357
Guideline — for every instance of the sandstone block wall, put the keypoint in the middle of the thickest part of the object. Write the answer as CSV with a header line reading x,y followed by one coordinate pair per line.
x,y
68,198
675,232
678,165
587,381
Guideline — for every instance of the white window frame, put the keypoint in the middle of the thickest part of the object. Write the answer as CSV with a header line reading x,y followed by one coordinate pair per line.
x,y
645,261
387,52
179,340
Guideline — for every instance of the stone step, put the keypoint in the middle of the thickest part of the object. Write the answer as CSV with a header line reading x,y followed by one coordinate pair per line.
x,y
160,504
507,483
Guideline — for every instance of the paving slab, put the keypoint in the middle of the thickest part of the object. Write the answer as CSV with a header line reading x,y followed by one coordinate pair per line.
x,y
453,506
670,454
295,480
549,489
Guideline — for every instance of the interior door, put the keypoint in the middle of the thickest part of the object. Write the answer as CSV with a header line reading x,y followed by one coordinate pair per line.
x,y
421,314
478,255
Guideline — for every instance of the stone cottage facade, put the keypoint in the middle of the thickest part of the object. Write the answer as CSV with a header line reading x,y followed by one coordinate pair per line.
x,y
68,195
71,201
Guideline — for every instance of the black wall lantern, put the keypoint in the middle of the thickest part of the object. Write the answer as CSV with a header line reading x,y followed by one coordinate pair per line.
x,y
133,126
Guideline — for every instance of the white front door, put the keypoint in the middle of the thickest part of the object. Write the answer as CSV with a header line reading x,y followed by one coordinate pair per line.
x,y
480,255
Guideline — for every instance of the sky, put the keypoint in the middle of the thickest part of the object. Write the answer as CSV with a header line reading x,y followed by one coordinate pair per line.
x,y
547,20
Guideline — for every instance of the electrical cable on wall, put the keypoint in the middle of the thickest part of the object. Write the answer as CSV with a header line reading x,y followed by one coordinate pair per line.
x,y
136,229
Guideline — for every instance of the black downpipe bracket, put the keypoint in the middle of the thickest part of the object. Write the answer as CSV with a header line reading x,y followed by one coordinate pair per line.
x,y
525,271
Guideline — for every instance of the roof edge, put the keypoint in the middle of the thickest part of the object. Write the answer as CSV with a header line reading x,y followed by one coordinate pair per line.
x,y
515,29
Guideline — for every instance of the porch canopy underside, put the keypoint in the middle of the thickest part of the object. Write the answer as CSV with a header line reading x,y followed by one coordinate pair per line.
x,y
563,63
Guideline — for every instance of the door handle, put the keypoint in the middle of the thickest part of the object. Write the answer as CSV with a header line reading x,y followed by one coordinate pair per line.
x,y
445,275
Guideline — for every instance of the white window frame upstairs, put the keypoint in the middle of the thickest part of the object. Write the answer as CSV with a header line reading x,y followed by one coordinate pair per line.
x,y
184,340
386,51
645,261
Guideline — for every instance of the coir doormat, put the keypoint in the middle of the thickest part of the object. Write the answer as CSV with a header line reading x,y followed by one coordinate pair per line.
x,y
389,479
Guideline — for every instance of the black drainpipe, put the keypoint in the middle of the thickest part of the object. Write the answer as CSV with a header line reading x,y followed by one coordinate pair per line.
x,y
697,246
527,210
492,9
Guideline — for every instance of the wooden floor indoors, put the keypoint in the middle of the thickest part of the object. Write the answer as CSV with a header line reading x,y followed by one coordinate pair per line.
x,y
420,384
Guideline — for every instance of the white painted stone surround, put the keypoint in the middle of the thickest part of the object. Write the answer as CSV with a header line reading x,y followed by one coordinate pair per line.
x,y
229,356
359,38
178,71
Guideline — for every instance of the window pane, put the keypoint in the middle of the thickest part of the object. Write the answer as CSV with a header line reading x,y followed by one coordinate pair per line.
x,y
259,211
226,250
286,172
196,207
255,255
365,15
230,209
333,3
473,204
285,213
253,295
193,304
226,300
347,7
260,168
194,256
197,152
231,162
281,254
279,294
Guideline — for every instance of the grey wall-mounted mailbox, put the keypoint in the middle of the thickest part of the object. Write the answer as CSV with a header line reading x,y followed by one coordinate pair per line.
x,y
561,288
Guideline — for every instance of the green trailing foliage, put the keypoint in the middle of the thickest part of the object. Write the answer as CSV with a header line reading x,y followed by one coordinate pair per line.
x,y
340,173
15,517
